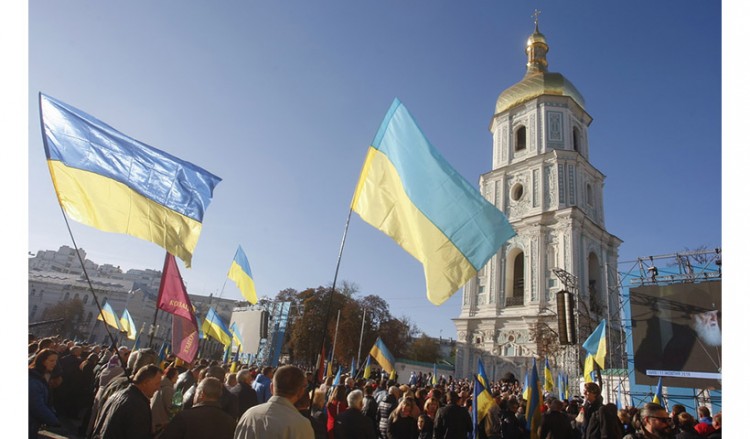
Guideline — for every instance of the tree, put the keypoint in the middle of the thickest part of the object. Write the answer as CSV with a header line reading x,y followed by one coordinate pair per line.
x,y
71,311
424,349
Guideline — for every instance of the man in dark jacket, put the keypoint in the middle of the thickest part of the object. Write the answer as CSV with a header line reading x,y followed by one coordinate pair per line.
x,y
206,419
385,407
246,396
555,422
127,413
228,401
352,423
452,421
369,406
599,422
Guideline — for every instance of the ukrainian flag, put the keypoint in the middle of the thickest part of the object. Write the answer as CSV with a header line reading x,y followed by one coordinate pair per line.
x,y
434,374
483,401
408,191
588,369
240,273
112,182
549,381
534,403
128,325
596,344
368,369
214,327
235,335
658,395
383,356
482,375
109,317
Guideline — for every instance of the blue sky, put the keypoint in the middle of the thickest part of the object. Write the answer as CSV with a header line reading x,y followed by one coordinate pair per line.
x,y
281,99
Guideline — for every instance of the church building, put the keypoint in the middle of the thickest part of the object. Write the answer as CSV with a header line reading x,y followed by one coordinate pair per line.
x,y
543,181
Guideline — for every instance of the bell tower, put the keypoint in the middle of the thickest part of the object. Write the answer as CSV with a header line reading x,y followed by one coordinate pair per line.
x,y
542,179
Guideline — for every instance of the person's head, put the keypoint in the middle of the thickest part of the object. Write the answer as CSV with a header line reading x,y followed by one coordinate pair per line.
x,y
209,389
44,361
591,391
355,399
245,376
421,421
555,405
452,397
704,412
171,374
268,372
395,391
148,379
338,394
654,419
685,421
431,405
717,421
140,358
676,410
319,399
231,379
407,407
706,326
289,382
217,372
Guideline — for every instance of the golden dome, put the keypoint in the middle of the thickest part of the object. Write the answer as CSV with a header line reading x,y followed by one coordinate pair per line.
x,y
534,85
537,81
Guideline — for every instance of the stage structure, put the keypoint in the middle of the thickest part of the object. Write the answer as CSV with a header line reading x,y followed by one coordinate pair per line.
x,y
262,329
671,308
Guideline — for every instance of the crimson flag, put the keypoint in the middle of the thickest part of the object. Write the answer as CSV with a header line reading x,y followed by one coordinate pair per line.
x,y
321,364
173,298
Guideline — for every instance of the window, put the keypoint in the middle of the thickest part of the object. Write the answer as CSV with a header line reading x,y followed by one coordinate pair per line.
x,y
516,192
520,138
518,281
589,195
576,140
85,299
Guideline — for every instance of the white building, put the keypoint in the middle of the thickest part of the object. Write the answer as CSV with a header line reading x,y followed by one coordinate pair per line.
x,y
543,181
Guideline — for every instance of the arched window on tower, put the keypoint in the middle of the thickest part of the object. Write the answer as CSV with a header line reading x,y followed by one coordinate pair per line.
x,y
67,296
576,140
515,284
520,143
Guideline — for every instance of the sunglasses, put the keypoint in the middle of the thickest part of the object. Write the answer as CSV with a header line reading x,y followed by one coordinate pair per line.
x,y
665,420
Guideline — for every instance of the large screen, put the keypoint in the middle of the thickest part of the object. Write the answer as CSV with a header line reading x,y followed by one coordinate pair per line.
x,y
677,334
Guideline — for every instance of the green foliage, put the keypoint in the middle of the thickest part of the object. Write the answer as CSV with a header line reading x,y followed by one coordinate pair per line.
x,y
71,311
424,349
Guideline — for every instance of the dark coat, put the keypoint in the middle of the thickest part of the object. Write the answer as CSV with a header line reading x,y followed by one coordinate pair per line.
x,y
370,409
385,408
205,420
557,424
353,424
246,396
125,415
404,427
452,422
40,409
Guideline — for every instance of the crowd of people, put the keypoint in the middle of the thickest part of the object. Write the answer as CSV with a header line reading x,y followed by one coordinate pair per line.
x,y
88,391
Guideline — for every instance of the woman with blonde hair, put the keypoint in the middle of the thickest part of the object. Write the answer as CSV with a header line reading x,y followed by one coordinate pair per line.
x,y
431,406
402,423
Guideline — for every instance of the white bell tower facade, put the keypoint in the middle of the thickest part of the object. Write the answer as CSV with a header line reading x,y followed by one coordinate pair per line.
x,y
542,179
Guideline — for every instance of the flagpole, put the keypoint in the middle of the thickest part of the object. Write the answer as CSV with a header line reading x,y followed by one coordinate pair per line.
x,y
361,334
335,277
335,336
91,287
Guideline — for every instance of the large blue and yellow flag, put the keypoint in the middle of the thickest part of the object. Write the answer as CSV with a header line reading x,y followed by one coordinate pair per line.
x,y
534,403
596,344
214,327
240,273
109,317
383,356
549,381
410,192
337,378
588,369
128,325
112,182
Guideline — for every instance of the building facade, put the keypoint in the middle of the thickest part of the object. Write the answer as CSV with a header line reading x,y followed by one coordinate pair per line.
x,y
56,279
543,181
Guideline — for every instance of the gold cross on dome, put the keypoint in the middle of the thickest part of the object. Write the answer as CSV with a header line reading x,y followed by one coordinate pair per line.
x,y
536,14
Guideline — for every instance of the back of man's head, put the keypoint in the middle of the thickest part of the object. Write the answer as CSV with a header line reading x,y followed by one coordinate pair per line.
x,y
704,412
288,380
268,371
451,397
140,358
146,373
556,405
354,399
209,389
217,372
395,391
244,376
